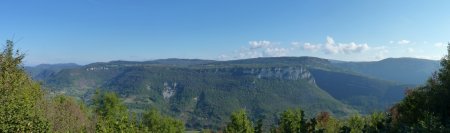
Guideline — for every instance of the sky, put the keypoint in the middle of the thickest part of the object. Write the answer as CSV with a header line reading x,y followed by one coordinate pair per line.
x,y
87,31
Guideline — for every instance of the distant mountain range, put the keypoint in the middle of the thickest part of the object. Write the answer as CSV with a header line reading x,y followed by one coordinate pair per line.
x,y
41,71
205,92
402,70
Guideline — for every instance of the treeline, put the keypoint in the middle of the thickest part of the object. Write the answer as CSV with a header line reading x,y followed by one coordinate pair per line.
x,y
26,108
294,121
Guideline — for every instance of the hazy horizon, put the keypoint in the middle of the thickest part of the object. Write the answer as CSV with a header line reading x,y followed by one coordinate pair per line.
x,y
88,31
33,65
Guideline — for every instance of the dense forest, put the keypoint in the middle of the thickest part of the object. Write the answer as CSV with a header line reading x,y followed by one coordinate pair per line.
x,y
27,107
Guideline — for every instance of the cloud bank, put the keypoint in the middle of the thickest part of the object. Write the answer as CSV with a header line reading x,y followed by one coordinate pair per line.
x,y
404,42
331,47
256,49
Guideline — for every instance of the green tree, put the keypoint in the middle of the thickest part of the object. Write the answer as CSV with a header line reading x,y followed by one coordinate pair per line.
x,y
292,121
430,124
240,123
378,122
311,126
112,115
259,126
65,114
153,121
327,124
356,123
20,97
426,103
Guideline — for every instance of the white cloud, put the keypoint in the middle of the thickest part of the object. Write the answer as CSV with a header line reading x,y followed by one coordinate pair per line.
x,y
428,57
330,40
264,48
343,48
391,42
404,42
354,48
331,47
248,54
381,52
259,44
257,49
295,44
310,47
223,57
275,52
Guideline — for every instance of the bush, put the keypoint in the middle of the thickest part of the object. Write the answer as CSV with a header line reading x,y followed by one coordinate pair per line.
x,y
20,96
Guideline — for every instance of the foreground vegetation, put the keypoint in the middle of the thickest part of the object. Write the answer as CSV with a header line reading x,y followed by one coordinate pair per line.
x,y
27,108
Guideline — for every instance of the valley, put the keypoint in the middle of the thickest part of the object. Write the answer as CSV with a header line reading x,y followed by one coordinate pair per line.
x,y
203,93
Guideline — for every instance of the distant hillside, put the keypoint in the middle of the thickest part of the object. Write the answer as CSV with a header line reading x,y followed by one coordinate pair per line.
x,y
402,70
205,92
43,70
199,93
364,93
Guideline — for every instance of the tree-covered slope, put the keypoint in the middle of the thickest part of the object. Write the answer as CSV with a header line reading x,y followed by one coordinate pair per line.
x,y
402,70
364,93
200,94
44,70
204,92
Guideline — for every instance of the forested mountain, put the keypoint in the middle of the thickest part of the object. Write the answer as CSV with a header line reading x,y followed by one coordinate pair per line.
x,y
44,70
204,92
402,70
363,93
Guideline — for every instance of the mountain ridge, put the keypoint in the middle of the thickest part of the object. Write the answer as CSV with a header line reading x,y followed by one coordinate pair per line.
x,y
193,90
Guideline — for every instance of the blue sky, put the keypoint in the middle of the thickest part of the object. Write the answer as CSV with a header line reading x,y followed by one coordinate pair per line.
x,y
86,31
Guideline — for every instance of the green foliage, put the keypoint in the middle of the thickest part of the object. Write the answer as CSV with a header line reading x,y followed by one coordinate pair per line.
x,y
430,123
205,91
112,115
108,104
356,123
65,114
24,108
20,96
259,126
154,122
364,93
292,121
327,123
199,94
426,108
264,86
378,122
240,123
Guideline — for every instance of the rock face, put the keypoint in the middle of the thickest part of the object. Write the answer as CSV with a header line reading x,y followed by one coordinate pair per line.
x,y
289,73
96,68
284,73
169,90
